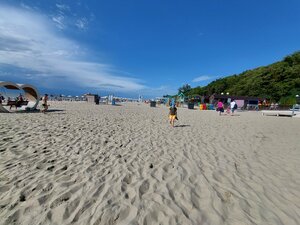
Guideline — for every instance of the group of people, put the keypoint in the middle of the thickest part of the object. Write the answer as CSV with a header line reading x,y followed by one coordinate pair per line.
x,y
230,109
20,99
274,106
220,108
17,102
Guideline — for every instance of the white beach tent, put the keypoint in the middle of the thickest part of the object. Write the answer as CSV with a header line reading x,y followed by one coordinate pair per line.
x,y
31,95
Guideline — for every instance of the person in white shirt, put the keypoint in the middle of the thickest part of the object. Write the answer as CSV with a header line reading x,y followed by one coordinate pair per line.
x,y
233,106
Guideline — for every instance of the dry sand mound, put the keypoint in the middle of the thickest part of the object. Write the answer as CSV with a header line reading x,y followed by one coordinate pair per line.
x,y
102,164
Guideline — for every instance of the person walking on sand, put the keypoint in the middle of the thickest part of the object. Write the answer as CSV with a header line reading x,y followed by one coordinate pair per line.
x,y
172,114
45,103
233,106
220,107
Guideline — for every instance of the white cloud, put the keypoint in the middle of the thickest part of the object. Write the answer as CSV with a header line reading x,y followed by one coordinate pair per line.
x,y
25,6
60,18
66,17
63,7
59,21
82,23
29,41
202,78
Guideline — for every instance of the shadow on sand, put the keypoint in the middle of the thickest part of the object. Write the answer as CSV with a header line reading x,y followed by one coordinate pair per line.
x,y
183,125
39,111
230,115
55,110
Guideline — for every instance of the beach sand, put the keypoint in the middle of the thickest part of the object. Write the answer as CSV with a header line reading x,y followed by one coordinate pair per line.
x,y
102,164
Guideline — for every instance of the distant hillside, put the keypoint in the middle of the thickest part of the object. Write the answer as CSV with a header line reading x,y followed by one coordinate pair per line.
x,y
278,81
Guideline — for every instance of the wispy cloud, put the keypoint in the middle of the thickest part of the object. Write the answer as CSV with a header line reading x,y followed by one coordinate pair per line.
x,y
59,21
202,78
60,16
23,5
82,23
66,16
63,7
29,41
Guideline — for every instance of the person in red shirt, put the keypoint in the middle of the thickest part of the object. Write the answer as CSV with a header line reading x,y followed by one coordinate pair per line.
x,y
220,107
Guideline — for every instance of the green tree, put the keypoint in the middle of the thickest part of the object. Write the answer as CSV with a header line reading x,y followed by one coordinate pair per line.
x,y
184,89
278,81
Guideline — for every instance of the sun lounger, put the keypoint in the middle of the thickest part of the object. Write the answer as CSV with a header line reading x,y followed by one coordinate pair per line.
x,y
278,113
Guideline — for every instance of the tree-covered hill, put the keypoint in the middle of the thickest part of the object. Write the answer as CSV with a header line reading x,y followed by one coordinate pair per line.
x,y
278,81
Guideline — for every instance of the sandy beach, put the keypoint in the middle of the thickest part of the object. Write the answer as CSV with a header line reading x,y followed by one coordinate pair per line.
x,y
102,164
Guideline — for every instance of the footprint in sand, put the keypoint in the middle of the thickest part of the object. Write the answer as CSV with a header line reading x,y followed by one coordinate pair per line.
x,y
22,197
127,179
50,168
123,187
58,201
227,196
70,208
144,187
48,187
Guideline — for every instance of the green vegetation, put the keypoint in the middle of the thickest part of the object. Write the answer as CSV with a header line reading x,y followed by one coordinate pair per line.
x,y
278,82
184,89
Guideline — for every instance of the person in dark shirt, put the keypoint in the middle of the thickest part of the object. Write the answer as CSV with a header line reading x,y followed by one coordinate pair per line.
x,y
19,101
20,98
172,115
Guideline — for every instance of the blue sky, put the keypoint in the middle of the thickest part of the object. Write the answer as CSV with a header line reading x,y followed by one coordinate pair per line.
x,y
140,47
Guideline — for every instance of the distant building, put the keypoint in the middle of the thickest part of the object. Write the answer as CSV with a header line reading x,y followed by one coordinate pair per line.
x,y
92,98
